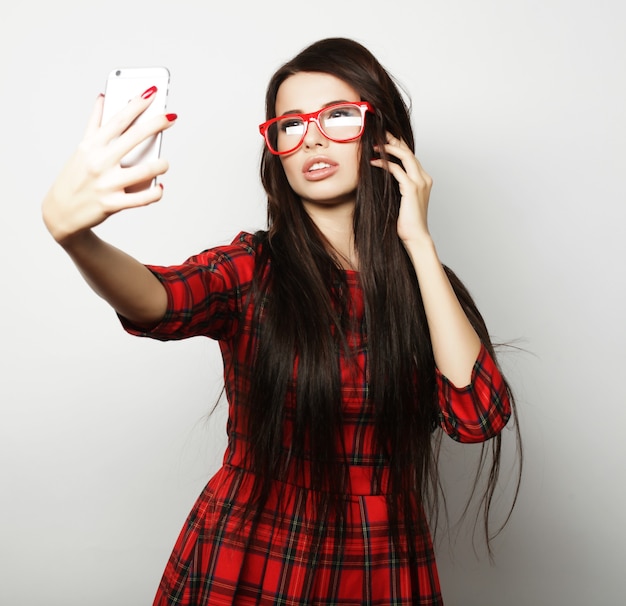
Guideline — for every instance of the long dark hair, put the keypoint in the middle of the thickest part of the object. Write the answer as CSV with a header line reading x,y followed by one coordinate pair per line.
x,y
302,312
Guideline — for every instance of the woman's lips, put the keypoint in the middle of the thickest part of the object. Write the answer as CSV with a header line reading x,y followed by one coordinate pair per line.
x,y
318,169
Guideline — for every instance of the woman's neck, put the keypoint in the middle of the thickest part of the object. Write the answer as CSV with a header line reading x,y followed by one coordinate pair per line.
x,y
335,222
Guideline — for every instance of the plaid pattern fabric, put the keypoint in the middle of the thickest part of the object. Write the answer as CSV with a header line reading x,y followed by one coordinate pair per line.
x,y
285,556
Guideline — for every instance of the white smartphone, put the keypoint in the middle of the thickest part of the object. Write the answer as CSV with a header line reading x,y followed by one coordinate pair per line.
x,y
122,85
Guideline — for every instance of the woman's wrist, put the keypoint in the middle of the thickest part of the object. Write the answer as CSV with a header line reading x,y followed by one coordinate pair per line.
x,y
420,248
79,241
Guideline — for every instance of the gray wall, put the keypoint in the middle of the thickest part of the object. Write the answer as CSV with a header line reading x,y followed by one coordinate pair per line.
x,y
519,114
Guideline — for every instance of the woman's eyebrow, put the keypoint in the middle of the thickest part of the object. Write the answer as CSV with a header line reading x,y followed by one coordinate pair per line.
x,y
299,111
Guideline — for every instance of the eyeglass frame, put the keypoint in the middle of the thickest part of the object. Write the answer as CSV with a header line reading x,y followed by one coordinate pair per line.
x,y
364,106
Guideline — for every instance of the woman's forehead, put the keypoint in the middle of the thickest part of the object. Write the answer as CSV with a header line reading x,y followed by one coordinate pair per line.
x,y
307,92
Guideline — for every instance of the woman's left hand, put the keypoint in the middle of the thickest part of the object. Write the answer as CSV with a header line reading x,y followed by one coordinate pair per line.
x,y
415,185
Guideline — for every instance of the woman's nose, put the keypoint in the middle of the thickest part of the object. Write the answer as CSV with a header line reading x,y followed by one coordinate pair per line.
x,y
314,137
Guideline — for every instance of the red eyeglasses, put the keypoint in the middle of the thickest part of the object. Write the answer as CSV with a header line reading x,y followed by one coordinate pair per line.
x,y
340,122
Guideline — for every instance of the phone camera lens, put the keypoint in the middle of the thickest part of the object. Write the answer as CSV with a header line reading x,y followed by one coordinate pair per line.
x,y
118,73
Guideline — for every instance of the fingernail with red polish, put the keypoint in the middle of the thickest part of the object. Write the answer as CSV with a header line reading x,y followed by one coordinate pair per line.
x,y
148,93
171,117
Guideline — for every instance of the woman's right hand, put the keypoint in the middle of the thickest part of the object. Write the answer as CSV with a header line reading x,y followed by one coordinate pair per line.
x,y
92,185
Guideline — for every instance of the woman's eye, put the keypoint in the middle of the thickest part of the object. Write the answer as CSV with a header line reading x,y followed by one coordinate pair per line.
x,y
342,117
292,127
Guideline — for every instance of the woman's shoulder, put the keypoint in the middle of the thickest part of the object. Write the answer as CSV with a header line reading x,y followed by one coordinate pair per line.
x,y
248,242
245,246
238,258
242,248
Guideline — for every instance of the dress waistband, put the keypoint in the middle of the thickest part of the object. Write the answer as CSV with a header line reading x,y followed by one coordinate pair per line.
x,y
362,480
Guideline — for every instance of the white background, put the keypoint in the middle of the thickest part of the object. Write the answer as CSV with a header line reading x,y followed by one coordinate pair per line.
x,y
519,111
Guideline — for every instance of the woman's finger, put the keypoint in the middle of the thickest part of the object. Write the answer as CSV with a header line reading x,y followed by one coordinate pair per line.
x,y
397,171
411,165
95,118
135,136
399,149
122,120
122,201
141,173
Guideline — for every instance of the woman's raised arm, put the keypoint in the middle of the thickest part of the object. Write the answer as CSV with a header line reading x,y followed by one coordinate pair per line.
x,y
91,187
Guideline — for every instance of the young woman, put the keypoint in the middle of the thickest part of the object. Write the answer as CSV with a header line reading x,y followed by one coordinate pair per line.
x,y
347,346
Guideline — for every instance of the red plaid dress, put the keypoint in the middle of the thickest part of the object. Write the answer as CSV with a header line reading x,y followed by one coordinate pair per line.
x,y
285,556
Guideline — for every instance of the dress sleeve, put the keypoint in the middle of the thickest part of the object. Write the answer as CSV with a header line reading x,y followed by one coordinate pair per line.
x,y
479,411
206,294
